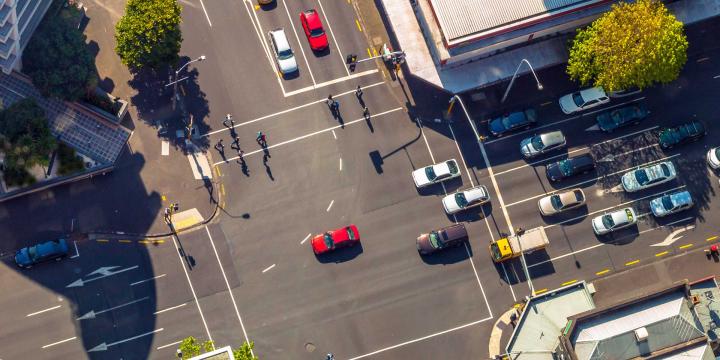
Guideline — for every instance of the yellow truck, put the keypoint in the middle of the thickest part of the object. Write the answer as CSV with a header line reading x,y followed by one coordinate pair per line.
x,y
514,245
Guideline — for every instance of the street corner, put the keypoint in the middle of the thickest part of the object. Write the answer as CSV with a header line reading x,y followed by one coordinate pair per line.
x,y
502,329
186,219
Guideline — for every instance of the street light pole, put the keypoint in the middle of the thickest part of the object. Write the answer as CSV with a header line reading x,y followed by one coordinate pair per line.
x,y
539,85
177,72
478,138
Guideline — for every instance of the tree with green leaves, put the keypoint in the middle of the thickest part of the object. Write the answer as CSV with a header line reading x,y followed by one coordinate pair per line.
x,y
191,347
59,61
634,44
148,35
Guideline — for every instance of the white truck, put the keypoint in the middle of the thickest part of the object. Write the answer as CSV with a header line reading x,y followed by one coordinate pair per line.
x,y
514,245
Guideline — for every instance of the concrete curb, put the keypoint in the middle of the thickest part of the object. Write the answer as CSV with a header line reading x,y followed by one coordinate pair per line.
x,y
499,328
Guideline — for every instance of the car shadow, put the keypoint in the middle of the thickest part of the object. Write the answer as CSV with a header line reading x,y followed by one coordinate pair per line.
x,y
620,237
292,75
448,256
451,186
269,7
473,214
586,180
575,216
322,53
341,255
512,272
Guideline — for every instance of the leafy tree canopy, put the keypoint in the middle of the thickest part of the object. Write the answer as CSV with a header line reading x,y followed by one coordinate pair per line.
x,y
191,347
148,35
27,137
631,45
58,60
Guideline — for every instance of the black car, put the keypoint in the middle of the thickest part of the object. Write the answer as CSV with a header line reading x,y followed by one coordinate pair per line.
x,y
514,121
610,120
681,134
564,169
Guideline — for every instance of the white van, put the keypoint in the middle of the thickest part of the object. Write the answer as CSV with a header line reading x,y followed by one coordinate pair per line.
x,y
283,54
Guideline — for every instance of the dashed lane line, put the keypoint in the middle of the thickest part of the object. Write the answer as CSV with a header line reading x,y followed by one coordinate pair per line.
x,y
685,246
330,206
59,342
660,254
146,280
43,311
711,238
169,309
332,34
569,282
631,263
602,272
268,268
305,239
302,51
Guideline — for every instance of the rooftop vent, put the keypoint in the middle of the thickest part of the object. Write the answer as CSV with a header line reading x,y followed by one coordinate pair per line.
x,y
641,334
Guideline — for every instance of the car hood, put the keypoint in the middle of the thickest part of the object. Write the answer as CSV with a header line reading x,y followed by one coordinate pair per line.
x,y
656,206
423,243
496,126
629,182
526,147
318,42
288,65
318,244
420,177
22,257
605,121
450,204
553,171
598,225
546,206
567,105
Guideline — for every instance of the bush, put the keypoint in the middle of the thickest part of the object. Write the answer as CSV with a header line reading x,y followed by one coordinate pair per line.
x,y
70,162
15,175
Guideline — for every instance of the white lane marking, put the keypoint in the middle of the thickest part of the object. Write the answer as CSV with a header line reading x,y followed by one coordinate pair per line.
x,y
206,14
422,338
168,345
340,164
259,31
330,82
59,342
306,238
192,289
42,311
170,308
563,121
268,268
329,206
482,290
104,346
92,313
323,100
307,136
627,135
340,53
614,206
591,180
227,284
334,135
146,280
292,25
77,253
532,164
164,148
716,77
673,237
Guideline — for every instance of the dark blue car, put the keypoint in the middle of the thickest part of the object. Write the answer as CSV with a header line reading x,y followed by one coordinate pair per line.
x,y
611,120
49,250
514,121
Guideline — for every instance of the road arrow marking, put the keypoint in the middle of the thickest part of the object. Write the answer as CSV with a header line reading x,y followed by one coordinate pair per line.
x,y
615,189
595,127
673,236
106,273
607,158
104,346
92,313
103,270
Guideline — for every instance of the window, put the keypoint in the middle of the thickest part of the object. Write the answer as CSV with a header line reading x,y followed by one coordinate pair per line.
x,y
328,240
608,222
430,173
316,32
578,99
351,234
461,200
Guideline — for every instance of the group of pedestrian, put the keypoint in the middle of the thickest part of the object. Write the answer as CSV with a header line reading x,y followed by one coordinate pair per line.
x,y
334,105
261,139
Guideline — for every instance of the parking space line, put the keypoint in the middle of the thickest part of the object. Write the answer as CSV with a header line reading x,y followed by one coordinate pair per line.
x,y
205,11
421,338
227,284
330,206
146,280
268,268
340,164
292,25
716,77
59,342
706,58
333,37
309,135
546,103
170,308
627,135
330,82
167,345
192,289
591,180
602,272
43,311
631,263
305,239
77,253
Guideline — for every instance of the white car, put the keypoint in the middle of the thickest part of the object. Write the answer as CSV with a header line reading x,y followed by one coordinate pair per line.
x,y
613,221
713,158
283,54
671,203
648,176
540,144
583,100
465,199
562,201
433,174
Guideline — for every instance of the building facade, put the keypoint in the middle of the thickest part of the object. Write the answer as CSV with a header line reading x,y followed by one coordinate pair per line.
x,y
18,21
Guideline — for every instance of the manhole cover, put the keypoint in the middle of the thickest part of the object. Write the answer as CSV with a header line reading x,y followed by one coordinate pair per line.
x,y
310,347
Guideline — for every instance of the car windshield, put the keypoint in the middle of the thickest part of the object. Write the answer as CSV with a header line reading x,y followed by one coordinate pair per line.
x,y
556,202
284,55
665,170
351,234
667,202
33,253
328,240
641,176
537,143
435,240
316,32
507,124
566,167
608,222
461,200
430,173
452,167
578,99
616,116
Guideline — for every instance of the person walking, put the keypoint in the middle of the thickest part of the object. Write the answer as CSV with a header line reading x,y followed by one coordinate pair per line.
x,y
366,113
261,139
359,92
228,119
220,146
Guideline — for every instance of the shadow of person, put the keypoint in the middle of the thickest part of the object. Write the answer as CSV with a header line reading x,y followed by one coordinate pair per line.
x,y
269,172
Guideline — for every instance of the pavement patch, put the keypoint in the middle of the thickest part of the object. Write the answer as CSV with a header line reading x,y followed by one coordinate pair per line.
x,y
186,219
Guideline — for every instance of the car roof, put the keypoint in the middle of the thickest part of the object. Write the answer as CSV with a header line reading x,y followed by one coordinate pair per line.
x,y
281,40
681,197
568,197
477,192
619,216
580,160
312,18
456,231
553,137
593,93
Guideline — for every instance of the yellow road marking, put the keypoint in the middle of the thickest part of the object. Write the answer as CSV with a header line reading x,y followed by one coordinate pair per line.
x,y
686,246
662,253
375,53
632,262
568,282
222,189
187,222
124,241
217,170
358,25
257,7
102,240
602,272
711,238
369,53
163,198
537,292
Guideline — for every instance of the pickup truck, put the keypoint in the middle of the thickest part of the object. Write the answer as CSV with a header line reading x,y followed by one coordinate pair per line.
x,y
514,245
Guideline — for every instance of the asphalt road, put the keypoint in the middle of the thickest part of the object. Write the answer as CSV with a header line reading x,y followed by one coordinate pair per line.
x,y
252,274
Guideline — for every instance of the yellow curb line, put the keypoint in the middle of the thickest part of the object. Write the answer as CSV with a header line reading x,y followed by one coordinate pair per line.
x,y
662,253
102,240
632,262
358,25
568,282
686,246
711,238
124,241
369,53
602,272
540,291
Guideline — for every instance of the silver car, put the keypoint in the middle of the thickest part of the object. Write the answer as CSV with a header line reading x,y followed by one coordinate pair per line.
x,y
671,203
465,199
583,100
562,201
648,176
540,144
616,220
283,53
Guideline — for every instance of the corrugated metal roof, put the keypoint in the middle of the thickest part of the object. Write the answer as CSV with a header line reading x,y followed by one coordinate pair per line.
x,y
460,18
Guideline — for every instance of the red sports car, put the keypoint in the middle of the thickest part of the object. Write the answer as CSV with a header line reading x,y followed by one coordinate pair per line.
x,y
335,239
314,30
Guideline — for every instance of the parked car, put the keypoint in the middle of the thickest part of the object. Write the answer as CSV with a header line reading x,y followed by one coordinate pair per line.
x,y
563,169
540,144
314,31
335,239
512,122
681,134
49,250
611,120
440,239
713,158
671,203
583,100
562,201
648,176
616,220
433,174
463,200
265,2
283,54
